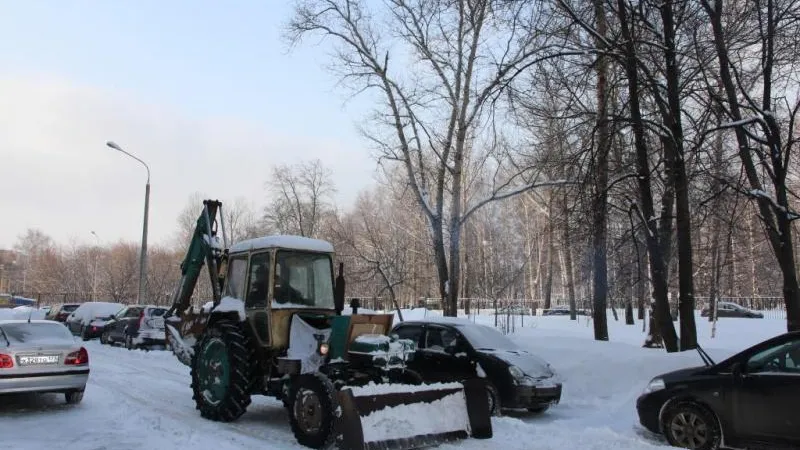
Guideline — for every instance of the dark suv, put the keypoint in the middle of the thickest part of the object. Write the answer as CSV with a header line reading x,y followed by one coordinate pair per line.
x,y
750,400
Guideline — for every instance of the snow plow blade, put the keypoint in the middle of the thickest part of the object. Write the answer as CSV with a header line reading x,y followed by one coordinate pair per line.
x,y
402,417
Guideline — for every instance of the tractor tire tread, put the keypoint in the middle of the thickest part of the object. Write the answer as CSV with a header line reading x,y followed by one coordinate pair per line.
x,y
241,354
321,384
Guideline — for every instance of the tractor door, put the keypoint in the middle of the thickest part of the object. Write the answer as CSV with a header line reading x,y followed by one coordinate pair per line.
x,y
256,302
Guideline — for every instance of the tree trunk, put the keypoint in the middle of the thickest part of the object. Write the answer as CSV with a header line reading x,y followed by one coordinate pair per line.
x,y
661,312
548,282
688,338
568,260
600,195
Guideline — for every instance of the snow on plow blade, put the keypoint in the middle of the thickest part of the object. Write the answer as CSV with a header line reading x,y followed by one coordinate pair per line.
x,y
401,417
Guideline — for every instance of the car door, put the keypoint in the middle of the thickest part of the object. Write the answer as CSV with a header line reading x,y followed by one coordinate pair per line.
x,y
767,395
414,333
114,329
445,353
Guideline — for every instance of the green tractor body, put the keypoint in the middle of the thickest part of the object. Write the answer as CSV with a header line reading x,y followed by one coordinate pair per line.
x,y
276,327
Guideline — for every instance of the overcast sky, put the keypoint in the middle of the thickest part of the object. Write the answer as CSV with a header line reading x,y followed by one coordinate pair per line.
x,y
205,92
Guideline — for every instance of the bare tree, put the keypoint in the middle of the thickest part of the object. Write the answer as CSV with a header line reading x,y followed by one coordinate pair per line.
x,y
300,197
439,78
754,44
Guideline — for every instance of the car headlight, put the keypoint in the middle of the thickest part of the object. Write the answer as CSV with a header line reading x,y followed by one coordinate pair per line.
x,y
516,373
656,384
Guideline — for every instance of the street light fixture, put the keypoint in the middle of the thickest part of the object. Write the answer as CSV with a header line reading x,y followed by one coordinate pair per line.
x,y
143,256
94,274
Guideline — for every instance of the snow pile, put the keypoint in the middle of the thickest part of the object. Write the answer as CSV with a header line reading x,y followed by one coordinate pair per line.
x,y
404,421
229,304
391,388
373,339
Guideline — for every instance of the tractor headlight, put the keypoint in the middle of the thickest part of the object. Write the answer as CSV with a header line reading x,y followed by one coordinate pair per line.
x,y
323,349
516,373
656,384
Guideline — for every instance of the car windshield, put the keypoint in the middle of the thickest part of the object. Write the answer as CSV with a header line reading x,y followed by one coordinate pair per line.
x,y
69,308
483,337
27,333
303,280
157,312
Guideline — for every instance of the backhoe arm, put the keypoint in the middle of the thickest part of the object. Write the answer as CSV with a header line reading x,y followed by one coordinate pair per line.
x,y
204,248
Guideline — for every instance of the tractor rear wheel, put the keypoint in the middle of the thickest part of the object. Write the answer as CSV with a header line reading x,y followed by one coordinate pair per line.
x,y
312,405
221,368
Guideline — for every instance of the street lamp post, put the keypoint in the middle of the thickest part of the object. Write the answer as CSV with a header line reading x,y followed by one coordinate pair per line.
x,y
143,256
94,273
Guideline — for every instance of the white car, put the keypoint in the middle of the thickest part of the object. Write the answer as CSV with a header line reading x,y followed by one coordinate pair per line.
x,y
41,356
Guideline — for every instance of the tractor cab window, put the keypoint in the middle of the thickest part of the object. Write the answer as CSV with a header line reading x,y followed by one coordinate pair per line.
x,y
303,280
237,272
259,281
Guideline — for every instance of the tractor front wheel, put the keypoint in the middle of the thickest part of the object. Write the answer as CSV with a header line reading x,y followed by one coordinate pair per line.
x,y
221,367
312,405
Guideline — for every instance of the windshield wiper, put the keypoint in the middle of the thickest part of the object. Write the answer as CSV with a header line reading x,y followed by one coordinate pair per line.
x,y
704,356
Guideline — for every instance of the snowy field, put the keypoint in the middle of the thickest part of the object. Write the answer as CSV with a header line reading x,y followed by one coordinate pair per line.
x,y
142,400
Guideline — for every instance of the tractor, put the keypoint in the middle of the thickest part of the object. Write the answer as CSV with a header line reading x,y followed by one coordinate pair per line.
x,y
277,326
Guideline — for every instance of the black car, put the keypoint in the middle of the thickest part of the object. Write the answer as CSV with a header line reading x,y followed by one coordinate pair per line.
x,y
452,349
750,400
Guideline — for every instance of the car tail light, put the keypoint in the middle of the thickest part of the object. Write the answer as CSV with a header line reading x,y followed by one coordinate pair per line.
x,y
6,361
78,358
141,318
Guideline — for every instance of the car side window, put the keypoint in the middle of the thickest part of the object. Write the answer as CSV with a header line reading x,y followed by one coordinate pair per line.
x,y
440,339
783,358
259,281
410,332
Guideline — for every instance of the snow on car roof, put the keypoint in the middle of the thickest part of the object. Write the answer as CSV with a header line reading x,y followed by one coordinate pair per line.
x,y
282,241
10,321
443,320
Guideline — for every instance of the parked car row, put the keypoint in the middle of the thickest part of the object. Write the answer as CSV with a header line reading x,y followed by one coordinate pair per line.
x,y
133,326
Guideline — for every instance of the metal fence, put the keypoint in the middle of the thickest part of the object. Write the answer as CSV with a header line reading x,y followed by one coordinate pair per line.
x,y
771,307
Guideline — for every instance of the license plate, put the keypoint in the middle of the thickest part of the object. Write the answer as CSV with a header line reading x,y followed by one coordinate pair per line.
x,y
156,323
38,360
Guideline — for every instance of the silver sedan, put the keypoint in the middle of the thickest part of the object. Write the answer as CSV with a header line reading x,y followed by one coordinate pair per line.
x,y
41,356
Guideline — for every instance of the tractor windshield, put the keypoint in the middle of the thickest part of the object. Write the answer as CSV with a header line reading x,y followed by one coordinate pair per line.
x,y
303,280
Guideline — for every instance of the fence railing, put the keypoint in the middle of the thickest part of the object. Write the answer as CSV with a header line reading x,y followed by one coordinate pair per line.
x,y
772,307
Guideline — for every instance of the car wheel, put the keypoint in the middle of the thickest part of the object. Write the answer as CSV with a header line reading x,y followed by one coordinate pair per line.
x,y
494,400
689,425
84,335
104,338
73,397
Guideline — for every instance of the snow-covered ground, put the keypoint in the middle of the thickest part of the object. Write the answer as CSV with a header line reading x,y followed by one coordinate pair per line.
x,y
142,400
